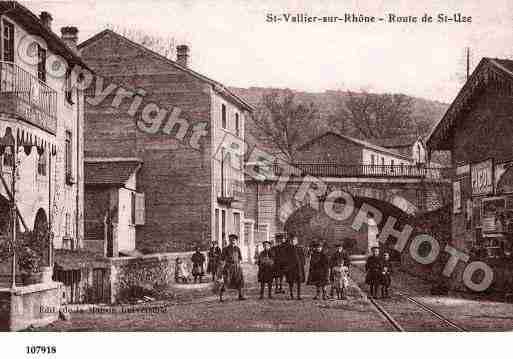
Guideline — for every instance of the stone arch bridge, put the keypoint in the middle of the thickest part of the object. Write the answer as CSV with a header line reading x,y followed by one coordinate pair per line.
x,y
276,199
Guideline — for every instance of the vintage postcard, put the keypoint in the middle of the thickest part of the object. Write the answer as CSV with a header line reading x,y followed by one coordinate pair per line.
x,y
255,166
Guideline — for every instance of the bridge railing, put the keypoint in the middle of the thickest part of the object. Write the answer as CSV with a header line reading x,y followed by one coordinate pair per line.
x,y
364,170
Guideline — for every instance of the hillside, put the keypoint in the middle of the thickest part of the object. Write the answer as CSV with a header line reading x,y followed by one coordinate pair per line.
x,y
425,112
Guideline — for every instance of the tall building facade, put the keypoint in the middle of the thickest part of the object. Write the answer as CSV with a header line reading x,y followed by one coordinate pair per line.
x,y
186,130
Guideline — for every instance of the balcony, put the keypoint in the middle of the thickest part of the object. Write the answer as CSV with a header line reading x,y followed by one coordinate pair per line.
x,y
361,170
229,191
24,96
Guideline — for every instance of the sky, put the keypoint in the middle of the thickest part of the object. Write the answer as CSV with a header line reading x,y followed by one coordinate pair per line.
x,y
232,42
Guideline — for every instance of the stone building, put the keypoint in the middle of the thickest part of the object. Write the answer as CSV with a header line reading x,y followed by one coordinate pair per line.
x,y
41,142
190,159
478,131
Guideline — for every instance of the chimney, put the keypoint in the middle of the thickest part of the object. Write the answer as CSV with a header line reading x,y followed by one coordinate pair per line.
x,y
46,19
69,34
182,55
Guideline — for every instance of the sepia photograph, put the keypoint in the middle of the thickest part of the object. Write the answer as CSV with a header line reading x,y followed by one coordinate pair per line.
x,y
255,166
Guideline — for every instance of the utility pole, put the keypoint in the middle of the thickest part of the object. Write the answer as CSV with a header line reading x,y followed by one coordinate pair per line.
x,y
468,62
14,214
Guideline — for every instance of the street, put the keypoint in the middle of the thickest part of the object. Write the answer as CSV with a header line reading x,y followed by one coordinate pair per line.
x,y
203,312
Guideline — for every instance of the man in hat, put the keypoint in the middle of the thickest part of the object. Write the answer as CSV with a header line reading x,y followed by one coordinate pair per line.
x,y
318,274
233,277
198,261
339,257
279,261
214,257
294,266
265,262
374,268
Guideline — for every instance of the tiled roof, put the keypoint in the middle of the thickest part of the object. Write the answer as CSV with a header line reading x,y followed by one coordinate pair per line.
x,y
397,141
488,69
356,141
110,171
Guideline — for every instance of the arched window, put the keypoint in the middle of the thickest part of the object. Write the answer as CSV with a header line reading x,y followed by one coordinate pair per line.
x,y
41,164
8,157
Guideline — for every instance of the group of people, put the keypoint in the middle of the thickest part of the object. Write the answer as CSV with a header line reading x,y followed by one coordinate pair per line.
x,y
182,274
379,272
287,260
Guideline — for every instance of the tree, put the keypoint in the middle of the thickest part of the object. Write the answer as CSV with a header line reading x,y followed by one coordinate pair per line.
x,y
163,45
374,116
281,121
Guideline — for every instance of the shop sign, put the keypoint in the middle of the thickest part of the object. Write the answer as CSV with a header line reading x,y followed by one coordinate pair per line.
x,y
482,178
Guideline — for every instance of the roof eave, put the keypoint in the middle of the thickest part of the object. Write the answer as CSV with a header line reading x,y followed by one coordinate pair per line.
x,y
23,15
218,87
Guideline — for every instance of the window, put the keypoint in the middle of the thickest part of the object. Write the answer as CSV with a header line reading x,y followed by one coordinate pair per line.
x,y
382,161
8,157
41,164
41,63
223,116
68,88
223,227
68,153
8,42
132,207
67,225
372,159
237,126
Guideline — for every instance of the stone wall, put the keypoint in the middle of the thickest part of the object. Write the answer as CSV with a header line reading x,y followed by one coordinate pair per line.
x,y
152,272
34,305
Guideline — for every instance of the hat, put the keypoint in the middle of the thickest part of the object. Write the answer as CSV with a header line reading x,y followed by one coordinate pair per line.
x,y
316,245
233,236
268,242
339,244
373,248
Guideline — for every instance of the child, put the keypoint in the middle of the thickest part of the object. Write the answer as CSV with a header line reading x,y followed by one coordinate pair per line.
x,y
265,263
386,275
373,267
339,279
181,272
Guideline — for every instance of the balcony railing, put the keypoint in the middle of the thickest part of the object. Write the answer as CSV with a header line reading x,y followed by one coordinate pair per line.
x,y
24,95
229,191
381,171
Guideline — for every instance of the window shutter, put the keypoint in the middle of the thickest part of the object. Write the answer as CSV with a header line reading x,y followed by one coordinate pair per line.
x,y
139,209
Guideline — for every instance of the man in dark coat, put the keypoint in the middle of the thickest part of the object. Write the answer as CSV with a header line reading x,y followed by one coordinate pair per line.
x,y
214,257
231,259
294,256
339,256
198,260
279,261
373,267
265,264
318,274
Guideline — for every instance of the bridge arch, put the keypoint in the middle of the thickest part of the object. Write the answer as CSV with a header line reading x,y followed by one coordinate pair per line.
x,y
310,224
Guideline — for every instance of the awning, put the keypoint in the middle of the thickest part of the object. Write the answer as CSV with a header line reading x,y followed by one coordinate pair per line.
x,y
27,140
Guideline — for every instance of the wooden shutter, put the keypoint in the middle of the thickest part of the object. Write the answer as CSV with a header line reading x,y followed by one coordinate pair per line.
x,y
139,209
